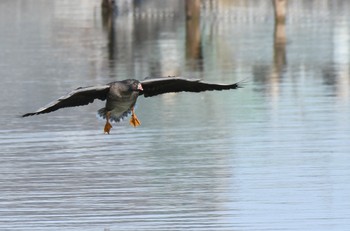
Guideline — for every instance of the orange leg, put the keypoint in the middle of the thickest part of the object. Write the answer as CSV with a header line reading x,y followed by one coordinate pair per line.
x,y
108,125
134,121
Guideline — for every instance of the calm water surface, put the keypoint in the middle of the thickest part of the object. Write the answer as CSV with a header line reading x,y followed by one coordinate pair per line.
x,y
271,156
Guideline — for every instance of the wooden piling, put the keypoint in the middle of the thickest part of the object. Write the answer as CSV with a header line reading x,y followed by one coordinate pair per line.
x,y
193,33
280,10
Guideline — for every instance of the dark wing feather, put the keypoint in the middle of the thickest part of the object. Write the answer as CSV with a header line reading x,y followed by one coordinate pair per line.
x,y
79,97
156,86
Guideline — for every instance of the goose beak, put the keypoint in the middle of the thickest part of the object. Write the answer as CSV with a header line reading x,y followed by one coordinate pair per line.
x,y
139,87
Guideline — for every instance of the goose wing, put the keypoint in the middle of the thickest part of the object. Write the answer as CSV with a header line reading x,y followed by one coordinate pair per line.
x,y
156,86
78,97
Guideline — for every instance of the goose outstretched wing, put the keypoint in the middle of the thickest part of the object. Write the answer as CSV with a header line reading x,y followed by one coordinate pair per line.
x,y
156,86
78,97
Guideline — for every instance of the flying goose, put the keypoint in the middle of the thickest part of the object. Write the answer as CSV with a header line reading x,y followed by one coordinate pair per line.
x,y
121,96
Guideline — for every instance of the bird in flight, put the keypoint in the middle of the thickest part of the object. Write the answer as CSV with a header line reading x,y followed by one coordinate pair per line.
x,y
121,96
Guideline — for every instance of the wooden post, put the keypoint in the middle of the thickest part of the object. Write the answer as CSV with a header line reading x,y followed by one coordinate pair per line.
x,y
280,10
193,9
193,33
107,5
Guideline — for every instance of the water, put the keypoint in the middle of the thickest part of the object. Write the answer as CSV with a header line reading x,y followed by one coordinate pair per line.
x,y
270,156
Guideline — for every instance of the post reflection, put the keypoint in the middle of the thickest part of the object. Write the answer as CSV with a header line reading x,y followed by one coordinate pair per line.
x,y
279,47
135,33
108,25
337,72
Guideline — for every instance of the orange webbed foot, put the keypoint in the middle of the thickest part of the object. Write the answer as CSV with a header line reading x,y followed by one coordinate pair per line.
x,y
107,127
134,121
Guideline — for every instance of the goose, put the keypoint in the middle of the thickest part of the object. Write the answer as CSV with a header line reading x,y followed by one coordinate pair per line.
x,y
121,96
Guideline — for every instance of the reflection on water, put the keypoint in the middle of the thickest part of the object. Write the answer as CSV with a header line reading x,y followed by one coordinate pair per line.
x,y
270,156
